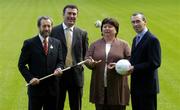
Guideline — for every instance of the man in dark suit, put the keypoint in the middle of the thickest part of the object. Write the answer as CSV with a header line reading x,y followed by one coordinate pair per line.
x,y
74,46
146,59
41,56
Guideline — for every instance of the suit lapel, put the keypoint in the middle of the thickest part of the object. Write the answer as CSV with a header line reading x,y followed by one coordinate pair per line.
x,y
38,44
140,44
134,44
75,35
62,36
50,46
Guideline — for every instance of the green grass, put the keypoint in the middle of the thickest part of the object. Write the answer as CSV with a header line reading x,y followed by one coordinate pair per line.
x,y
18,22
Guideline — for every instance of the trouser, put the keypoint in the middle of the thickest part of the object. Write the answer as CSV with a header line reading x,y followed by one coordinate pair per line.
x,y
105,106
110,107
45,102
75,97
144,102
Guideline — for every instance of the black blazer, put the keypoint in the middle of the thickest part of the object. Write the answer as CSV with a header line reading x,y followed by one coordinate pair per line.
x,y
34,63
146,58
79,48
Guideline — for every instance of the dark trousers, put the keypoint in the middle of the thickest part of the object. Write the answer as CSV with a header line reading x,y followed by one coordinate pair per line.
x,y
105,106
110,107
75,97
75,93
45,102
144,102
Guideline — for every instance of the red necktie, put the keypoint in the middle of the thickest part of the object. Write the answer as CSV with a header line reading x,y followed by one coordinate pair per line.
x,y
45,46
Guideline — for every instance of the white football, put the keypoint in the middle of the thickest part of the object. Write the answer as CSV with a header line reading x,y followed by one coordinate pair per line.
x,y
122,66
98,24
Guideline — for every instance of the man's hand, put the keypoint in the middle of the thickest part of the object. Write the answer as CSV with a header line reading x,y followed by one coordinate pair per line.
x,y
58,72
130,71
34,81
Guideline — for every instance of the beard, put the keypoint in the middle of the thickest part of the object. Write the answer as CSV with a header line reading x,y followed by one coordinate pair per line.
x,y
45,33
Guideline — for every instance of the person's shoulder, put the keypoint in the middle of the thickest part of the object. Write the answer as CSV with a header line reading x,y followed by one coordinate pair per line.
x,y
56,30
121,41
98,41
81,32
80,29
57,27
32,39
152,36
54,39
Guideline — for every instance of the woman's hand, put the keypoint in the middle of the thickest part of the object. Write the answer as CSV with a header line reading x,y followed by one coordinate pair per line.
x,y
111,65
91,61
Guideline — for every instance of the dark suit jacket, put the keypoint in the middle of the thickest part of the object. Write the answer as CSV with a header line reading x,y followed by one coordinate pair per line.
x,y
146,58
34,63
79,48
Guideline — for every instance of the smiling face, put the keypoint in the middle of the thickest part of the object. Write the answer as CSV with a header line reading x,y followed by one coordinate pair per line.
x,y
109,30
138,23
109,27
70,16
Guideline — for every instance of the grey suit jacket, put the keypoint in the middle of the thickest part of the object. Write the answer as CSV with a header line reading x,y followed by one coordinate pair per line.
x,y
79,48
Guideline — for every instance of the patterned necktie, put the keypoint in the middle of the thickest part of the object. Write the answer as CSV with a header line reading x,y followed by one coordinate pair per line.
x,y
138,40
45,46
68,42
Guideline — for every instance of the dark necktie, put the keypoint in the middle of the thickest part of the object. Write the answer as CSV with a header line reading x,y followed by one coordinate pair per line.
x,y
138,40
45,46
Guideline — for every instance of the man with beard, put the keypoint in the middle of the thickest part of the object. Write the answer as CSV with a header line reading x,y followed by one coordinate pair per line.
x,y
74,46
41,56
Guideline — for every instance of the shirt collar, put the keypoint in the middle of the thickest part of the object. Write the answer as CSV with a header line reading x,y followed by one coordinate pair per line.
x,y
143,32
65,27
42,38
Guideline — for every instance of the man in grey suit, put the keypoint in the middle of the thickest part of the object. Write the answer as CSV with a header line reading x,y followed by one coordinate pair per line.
x,y
146,59
41,56
74,46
